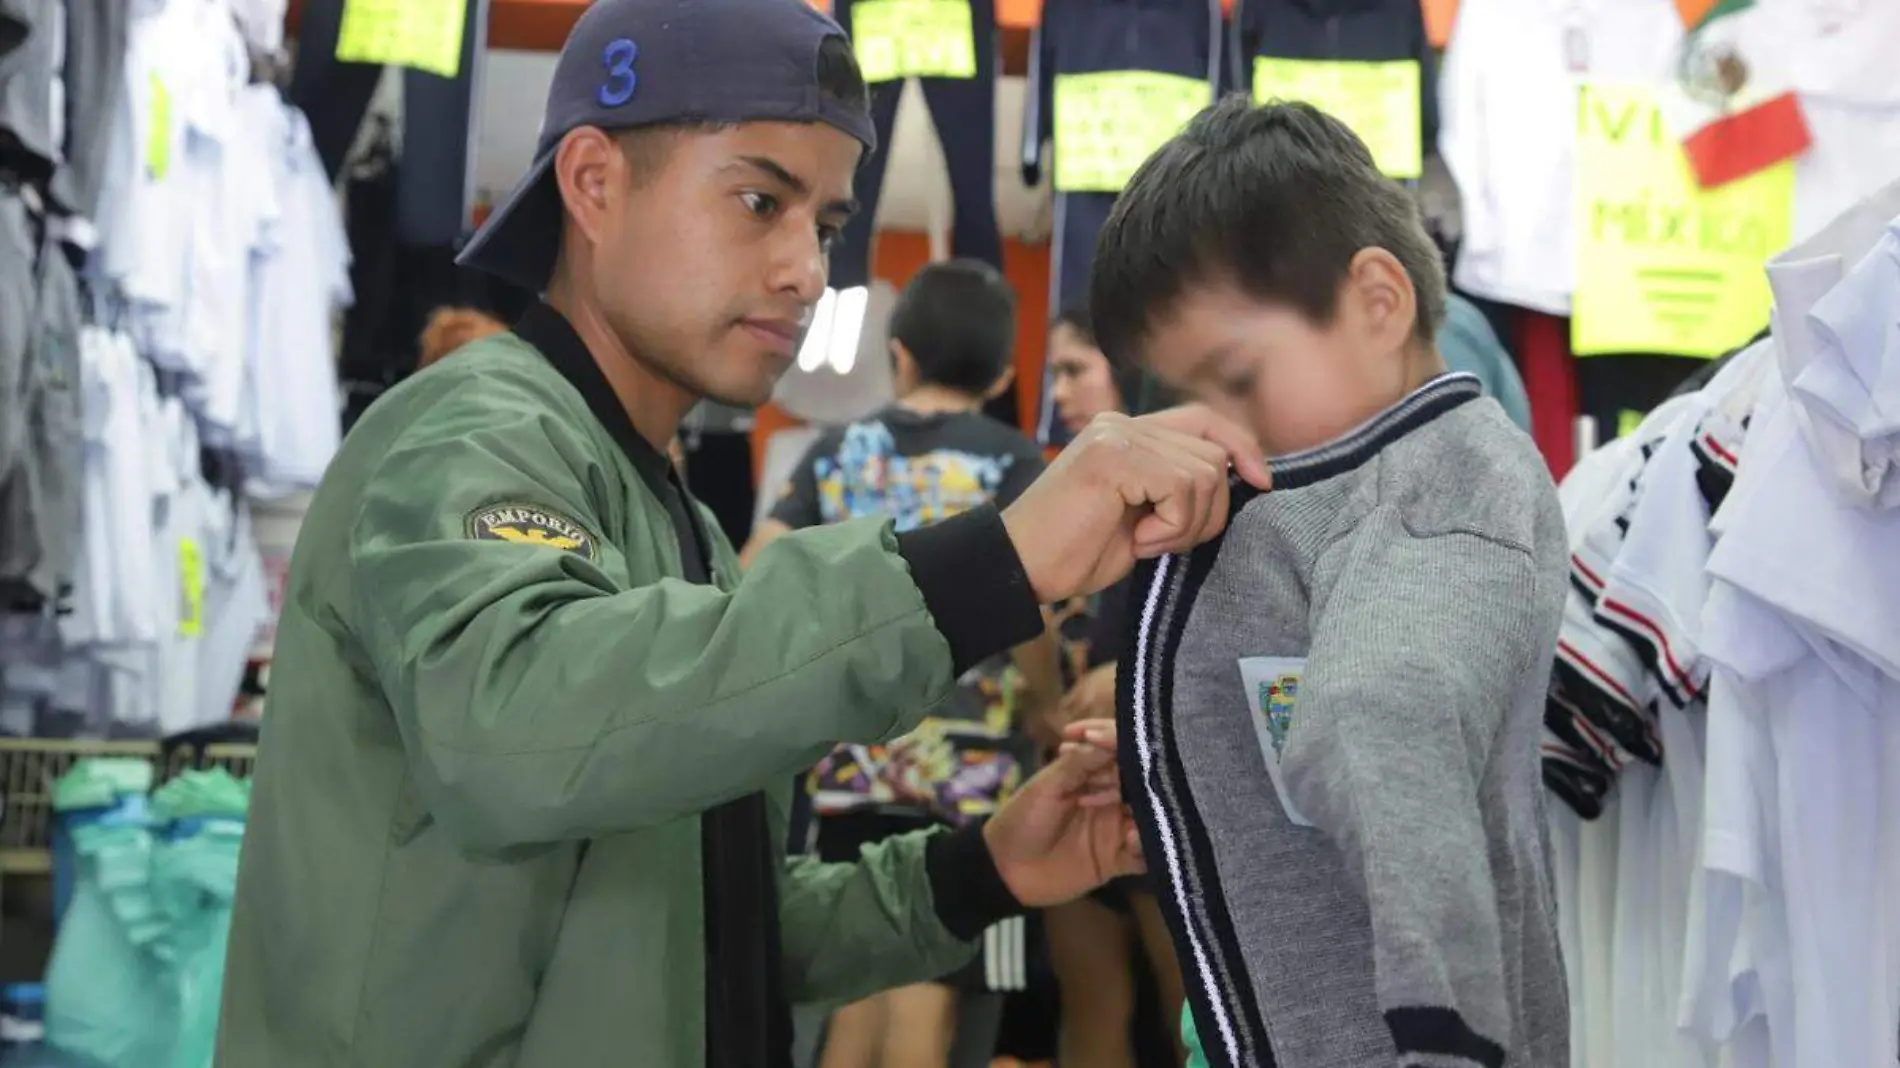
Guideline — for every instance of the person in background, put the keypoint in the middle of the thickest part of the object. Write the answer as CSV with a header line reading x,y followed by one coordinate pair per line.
x,y
1468,344
449,329
930,456
1093,941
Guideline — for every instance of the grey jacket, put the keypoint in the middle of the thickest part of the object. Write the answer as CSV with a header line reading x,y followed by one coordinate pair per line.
x,y
1330,725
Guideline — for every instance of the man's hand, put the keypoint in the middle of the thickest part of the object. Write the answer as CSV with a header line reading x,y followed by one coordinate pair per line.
x,y
1128,489
1066,832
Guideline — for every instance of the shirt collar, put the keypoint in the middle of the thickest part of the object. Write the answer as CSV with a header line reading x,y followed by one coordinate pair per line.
x,y
555,338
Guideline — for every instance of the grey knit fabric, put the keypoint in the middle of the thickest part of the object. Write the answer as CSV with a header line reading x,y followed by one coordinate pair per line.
x,y
1400,592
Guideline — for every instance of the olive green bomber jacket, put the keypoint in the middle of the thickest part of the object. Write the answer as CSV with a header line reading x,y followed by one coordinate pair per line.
x,y
496,713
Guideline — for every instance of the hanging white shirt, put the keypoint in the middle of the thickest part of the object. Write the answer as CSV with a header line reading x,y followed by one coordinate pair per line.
x,y
302,281
1508,129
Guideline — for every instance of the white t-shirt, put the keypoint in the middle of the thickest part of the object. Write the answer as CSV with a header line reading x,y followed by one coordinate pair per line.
x,y
1508,130
145,241
301,282
1822,670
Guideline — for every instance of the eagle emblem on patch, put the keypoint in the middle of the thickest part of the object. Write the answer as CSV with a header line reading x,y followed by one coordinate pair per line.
x,y
532,524
1277,698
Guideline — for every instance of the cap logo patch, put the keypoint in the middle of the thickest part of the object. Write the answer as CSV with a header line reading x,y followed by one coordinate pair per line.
x,y
618,58
531,524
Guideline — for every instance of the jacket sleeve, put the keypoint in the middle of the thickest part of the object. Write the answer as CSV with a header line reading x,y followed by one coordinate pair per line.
x,y
546,695
907,911
1418,652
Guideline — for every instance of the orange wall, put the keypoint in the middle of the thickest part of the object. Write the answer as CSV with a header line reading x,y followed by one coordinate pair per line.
x,y
899,255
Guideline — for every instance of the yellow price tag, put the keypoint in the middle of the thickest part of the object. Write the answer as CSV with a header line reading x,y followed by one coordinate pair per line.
x,y
423,34
1627,421
191,588
1663,265
1108,123
158,132
897,39
1378,101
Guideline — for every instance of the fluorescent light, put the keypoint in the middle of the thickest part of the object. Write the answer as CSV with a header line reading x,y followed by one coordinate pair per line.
x,y
847,325
813,353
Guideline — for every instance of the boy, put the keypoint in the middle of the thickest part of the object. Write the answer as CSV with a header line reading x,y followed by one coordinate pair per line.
x,y
1356,869
929,456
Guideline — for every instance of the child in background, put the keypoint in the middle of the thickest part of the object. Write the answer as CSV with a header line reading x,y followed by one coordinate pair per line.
x,y
449,329
1331,714
931,455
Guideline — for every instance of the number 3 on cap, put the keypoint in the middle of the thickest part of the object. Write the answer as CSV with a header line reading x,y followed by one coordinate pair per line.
x,y
618,59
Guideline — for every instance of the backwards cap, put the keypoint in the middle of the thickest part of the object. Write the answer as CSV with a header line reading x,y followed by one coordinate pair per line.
x,y
631,63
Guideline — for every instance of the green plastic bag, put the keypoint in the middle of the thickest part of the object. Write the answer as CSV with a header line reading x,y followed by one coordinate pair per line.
x,y
194,876
1190,1038
107,997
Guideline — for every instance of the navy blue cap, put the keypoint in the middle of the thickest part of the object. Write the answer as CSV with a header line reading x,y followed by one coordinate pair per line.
x,y
631,63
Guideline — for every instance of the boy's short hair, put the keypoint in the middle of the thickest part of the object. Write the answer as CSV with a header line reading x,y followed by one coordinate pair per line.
x,y
1276,198
958,321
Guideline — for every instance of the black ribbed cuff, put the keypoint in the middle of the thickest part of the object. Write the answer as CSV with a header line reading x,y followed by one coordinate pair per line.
x,y
974,585
970,893
1441,1036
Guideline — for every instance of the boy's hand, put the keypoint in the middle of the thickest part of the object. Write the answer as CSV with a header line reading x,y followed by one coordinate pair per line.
x,y
1128,489
1092,697
1089,734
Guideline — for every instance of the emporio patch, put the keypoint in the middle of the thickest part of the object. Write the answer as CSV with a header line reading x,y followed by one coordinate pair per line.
x,y
532,524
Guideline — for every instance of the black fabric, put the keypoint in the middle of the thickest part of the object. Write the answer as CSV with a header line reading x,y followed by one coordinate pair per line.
x,y
963,111
719,475
1108,627
335,96
973,584
969,892
1081,36
748,1014
1615,387
1440,1033
397,287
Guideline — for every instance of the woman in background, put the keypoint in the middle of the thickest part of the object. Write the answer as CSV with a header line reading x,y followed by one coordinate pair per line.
x,y
1096,943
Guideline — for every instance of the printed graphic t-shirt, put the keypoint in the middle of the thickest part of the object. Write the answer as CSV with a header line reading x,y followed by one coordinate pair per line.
x,y
918,468
912,467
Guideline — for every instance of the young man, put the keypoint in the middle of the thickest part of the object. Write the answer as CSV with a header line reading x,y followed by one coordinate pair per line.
x,y
929,456
1361,856
520,798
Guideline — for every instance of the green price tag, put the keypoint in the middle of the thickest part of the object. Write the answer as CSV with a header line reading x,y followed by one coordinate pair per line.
x,y
1379,101
191,588
1108,123
425,35
158,135
897,39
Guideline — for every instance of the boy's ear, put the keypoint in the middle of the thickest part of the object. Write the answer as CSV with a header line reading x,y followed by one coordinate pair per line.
x,y
1378,284
1002,383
